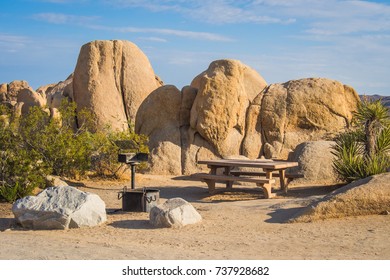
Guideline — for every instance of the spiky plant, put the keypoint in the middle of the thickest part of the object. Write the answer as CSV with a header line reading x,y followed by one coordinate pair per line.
x,y
364,150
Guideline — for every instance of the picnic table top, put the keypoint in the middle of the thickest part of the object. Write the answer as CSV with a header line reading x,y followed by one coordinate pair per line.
x,y
266,164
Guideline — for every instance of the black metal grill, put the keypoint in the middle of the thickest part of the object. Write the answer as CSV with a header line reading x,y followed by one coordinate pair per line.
x,y
140,200
133,159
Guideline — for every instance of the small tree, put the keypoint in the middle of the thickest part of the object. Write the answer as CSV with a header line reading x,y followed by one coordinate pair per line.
x,y
20,170
364,150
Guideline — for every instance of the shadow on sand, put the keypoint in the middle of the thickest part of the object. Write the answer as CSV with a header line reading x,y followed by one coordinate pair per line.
x,y
301,196
132,224
7,223
282,216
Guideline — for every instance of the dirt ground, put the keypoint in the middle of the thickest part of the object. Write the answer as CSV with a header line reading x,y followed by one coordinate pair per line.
x,y
236,225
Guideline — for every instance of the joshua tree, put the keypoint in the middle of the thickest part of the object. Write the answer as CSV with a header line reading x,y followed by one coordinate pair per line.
x,y
364,150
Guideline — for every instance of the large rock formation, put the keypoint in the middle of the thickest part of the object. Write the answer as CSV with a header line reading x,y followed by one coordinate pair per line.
x,y
228,111
60,208
225,91
112,78
304,110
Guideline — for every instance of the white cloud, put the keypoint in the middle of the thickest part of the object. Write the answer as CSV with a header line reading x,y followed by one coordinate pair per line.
x,y
216,11
323,17
12,43
58,18
153,39
163,31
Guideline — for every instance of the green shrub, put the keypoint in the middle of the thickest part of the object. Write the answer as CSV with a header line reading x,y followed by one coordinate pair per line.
x,y
109,143
36,145
364,150
64,150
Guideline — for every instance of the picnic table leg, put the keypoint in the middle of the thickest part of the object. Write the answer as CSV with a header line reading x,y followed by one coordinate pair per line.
x,y
229,184
282,178
210,185
213,170
267,187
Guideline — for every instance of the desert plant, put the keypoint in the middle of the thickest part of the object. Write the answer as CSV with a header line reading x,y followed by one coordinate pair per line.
x,y
365,149
109,143
63,149
37,144
20,171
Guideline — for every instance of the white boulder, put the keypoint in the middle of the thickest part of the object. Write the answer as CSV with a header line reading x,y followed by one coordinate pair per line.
x,y
175,212
60,208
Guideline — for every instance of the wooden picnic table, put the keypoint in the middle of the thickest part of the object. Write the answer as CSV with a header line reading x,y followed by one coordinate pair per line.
x,y
231,174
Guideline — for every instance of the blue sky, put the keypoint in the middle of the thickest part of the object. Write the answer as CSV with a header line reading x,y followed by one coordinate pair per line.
x,y
283,40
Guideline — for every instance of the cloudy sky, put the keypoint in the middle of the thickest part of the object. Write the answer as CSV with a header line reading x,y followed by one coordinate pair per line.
x,y
283,40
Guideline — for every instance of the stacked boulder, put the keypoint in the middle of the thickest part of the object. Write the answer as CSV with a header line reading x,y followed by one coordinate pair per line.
x,y
227,110
206,119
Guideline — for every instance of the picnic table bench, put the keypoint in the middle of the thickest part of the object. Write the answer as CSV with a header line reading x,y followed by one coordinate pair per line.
x,y
270,169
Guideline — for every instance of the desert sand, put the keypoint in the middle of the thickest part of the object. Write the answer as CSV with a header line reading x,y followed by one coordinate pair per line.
x,y
236,225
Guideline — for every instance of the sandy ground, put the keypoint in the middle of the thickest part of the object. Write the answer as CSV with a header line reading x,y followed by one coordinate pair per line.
x,y
236,225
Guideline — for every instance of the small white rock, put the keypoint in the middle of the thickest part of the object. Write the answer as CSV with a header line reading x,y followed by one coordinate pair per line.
x,y
175,212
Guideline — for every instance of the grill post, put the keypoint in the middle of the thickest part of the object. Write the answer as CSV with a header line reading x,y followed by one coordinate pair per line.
x,y
133,164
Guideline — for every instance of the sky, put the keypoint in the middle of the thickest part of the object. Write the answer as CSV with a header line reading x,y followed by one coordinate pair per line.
x,y
283,40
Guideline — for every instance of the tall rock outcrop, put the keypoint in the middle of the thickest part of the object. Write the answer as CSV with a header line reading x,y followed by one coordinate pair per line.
x,y
112,78
304,110
159,118
225,90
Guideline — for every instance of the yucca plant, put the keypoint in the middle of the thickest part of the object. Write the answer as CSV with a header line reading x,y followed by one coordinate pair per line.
x,y
364,150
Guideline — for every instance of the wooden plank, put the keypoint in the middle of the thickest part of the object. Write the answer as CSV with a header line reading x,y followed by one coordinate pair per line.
x,y
211,179
223,178
257,173
250,163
